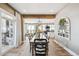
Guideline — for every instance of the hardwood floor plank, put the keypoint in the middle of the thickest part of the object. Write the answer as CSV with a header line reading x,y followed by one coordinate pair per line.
x,y
24,50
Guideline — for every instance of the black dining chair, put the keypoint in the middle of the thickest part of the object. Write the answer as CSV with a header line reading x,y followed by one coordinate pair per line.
x,y
41,47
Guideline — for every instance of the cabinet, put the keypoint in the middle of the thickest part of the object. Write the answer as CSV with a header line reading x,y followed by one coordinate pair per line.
x,y
7,30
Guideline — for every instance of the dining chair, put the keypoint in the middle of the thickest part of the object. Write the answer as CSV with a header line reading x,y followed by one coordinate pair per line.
x,y
41,47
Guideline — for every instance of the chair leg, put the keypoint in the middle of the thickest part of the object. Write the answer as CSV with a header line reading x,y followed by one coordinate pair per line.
x,y
33,49
30,47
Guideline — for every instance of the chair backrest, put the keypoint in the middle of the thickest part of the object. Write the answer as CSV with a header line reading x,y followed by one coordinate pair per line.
x,y
40,47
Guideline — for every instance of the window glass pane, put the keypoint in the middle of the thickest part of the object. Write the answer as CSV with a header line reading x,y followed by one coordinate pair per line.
x,y
44,27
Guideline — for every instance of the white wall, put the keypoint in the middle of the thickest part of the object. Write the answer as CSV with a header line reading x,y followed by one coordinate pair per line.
x,y
71,11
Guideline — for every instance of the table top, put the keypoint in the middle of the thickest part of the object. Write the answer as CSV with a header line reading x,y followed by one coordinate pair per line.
x,y
42,36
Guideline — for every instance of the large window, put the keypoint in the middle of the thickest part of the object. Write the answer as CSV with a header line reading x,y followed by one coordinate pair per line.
x,y
30,28
36,25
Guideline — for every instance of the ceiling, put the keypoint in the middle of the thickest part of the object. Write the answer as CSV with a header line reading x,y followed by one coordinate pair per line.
x,y
38,8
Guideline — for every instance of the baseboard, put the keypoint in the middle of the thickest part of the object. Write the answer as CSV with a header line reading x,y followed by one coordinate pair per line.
x,y
67,49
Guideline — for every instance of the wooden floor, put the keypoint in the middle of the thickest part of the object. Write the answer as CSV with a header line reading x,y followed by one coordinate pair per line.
x,y
24,50
56,50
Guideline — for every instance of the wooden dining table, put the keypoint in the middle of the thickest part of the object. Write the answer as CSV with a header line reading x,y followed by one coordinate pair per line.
x,y
42,36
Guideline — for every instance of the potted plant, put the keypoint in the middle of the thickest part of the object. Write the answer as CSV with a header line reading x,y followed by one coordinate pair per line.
x,y
62,21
